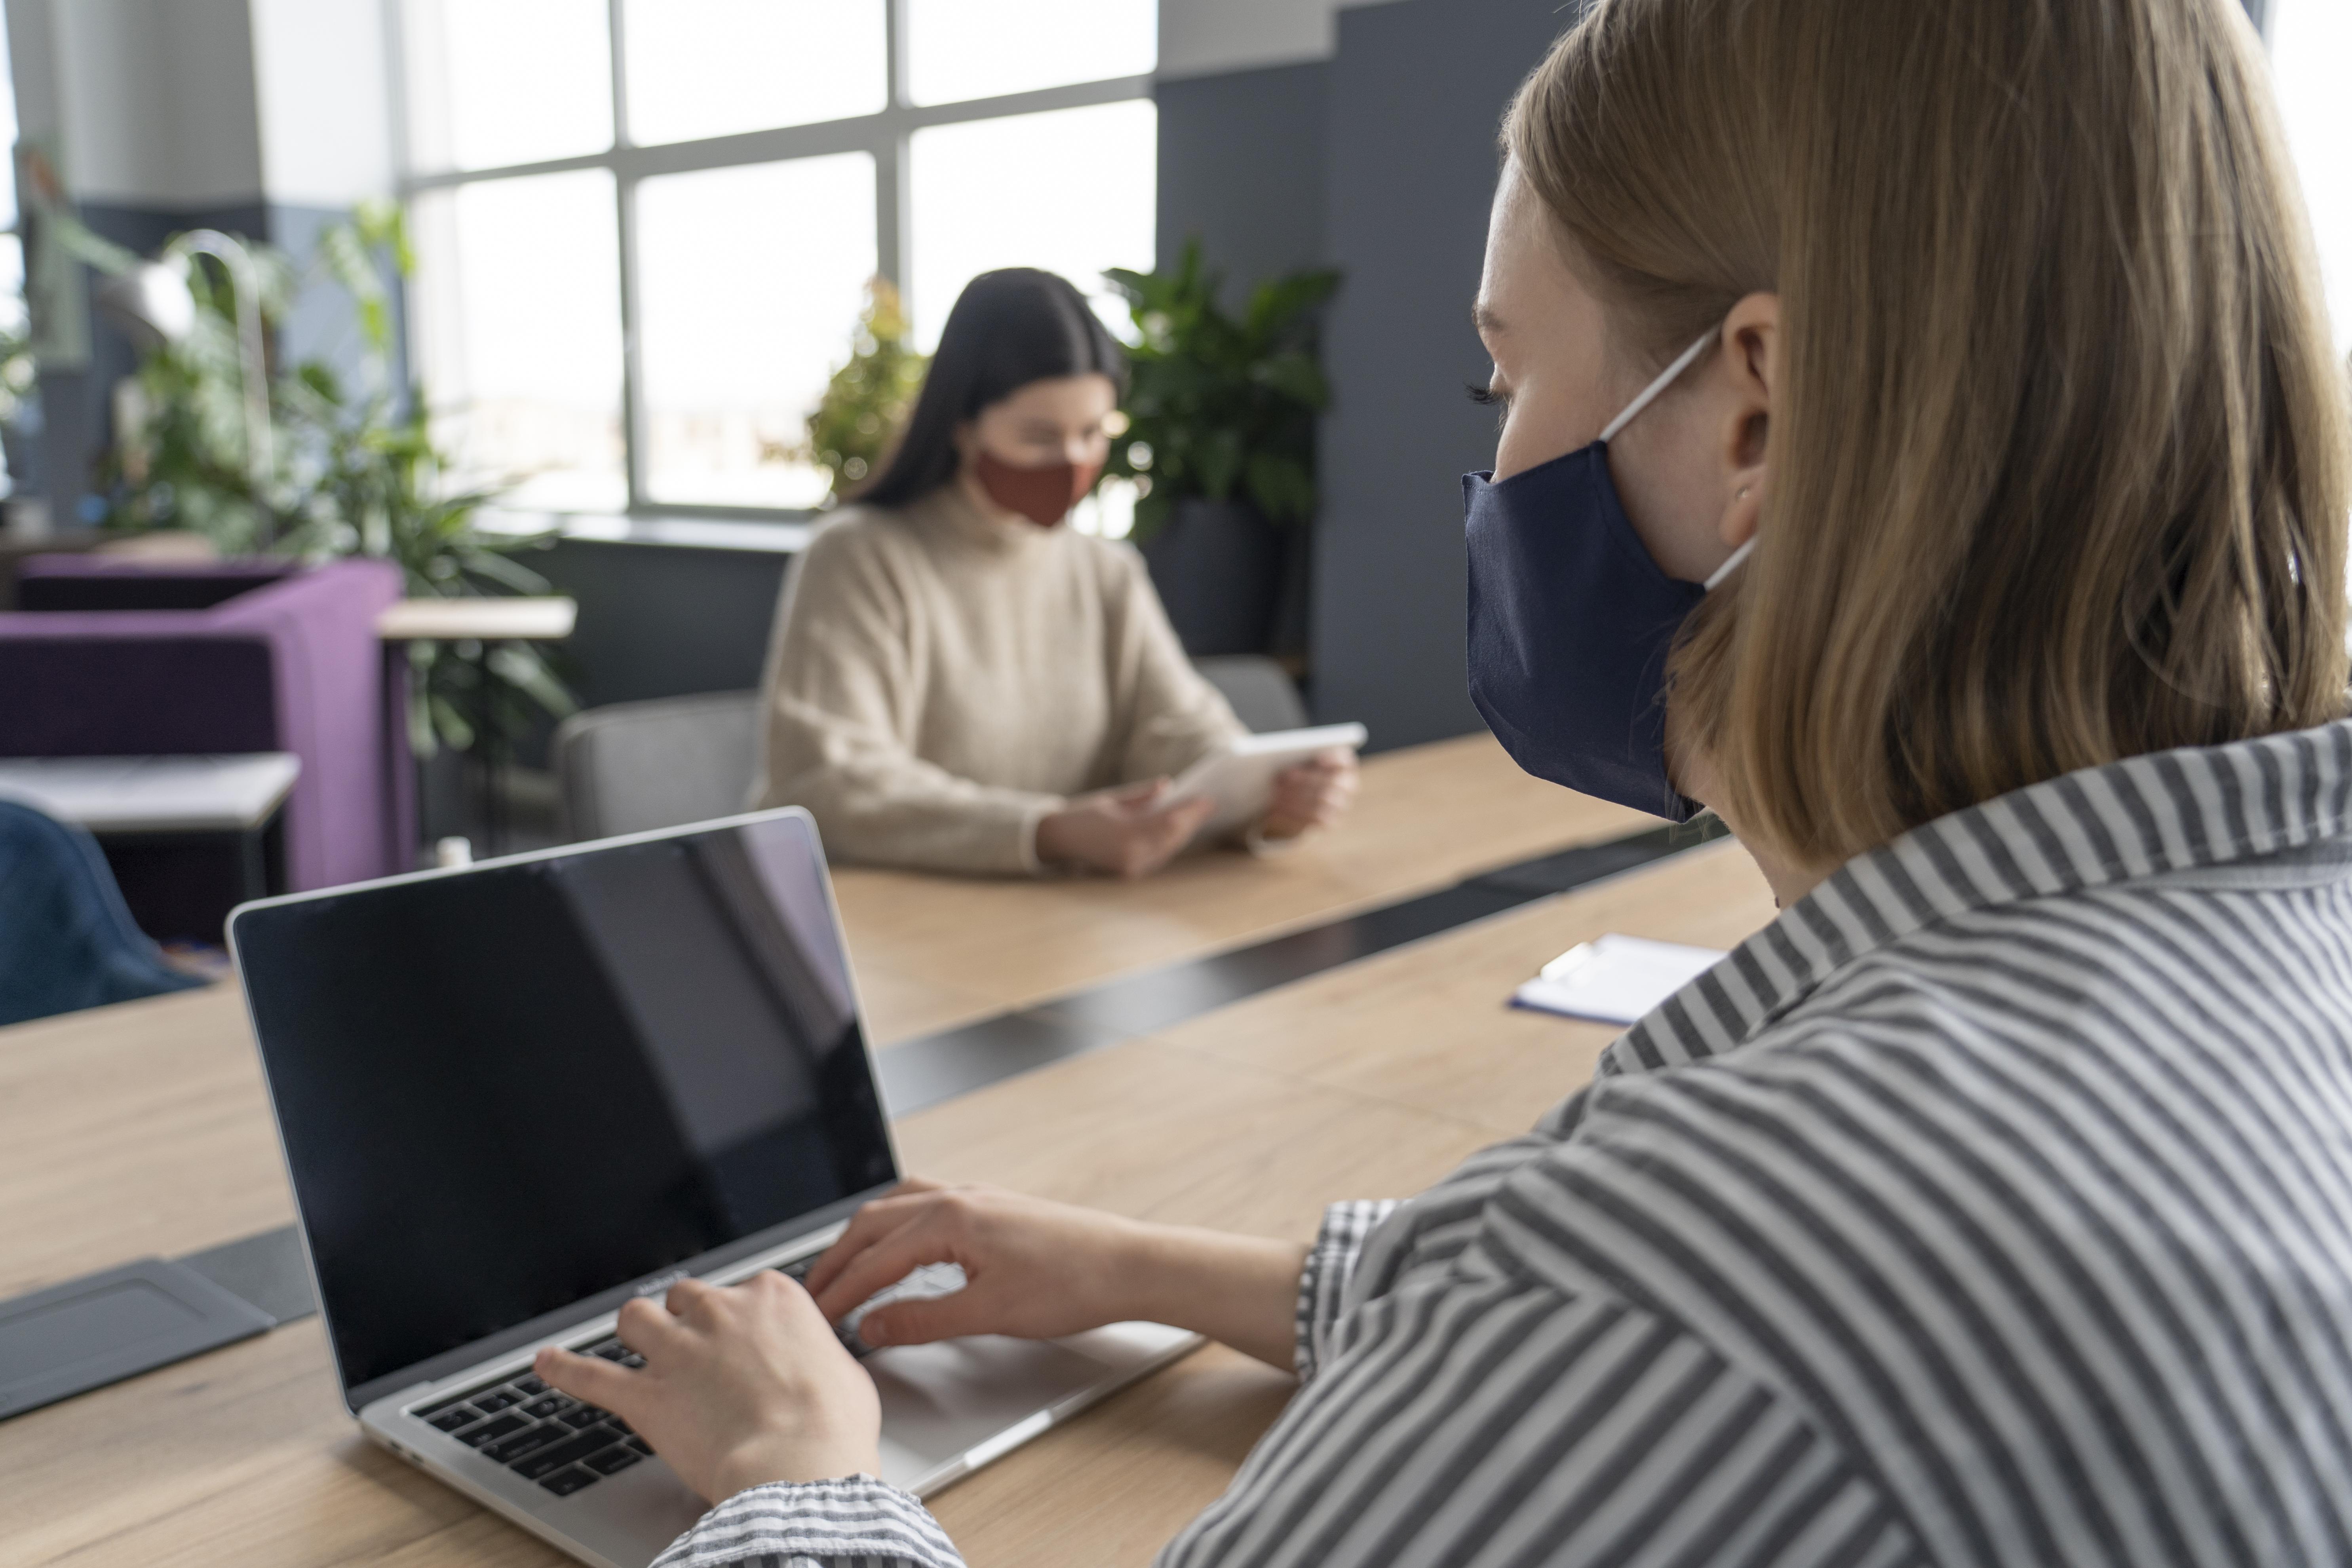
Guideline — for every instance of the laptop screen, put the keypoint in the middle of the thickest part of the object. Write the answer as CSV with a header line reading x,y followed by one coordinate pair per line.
x,y
507,1091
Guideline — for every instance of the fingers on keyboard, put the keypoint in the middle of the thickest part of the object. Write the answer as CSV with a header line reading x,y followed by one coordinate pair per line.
x,y
540,1435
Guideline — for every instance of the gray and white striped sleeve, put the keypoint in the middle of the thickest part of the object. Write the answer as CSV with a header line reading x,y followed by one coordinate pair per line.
x,y
1490,1419
1330,1264
855,1522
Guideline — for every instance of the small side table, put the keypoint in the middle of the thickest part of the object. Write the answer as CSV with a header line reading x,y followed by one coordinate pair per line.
x,y
484,621
169,825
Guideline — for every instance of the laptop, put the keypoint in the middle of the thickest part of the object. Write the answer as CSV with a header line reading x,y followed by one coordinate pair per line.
x,y
513,1096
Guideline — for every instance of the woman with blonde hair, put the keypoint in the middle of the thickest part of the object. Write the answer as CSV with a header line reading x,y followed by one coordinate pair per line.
x,y
1976,499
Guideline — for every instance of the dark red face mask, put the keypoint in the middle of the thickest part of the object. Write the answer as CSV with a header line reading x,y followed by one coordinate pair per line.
x,y
1045,496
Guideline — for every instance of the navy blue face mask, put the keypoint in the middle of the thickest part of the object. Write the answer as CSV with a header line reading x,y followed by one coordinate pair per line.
x,y
1571,623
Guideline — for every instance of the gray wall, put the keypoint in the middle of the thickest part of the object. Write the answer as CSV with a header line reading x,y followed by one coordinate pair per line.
x,y
1416,94
657,621
1241,169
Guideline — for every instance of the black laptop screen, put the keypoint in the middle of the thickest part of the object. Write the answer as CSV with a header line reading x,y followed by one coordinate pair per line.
x,y
504,1092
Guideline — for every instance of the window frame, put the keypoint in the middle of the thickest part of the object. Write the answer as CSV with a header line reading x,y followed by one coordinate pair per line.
x,y
887,135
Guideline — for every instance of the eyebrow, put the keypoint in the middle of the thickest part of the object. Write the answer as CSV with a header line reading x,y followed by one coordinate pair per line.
x,y
1483,316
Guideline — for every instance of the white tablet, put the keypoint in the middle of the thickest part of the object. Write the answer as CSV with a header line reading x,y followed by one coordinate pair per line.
x,y
1240,776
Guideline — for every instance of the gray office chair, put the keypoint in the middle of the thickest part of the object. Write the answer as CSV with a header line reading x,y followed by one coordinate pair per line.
x,y
1263,695
639,765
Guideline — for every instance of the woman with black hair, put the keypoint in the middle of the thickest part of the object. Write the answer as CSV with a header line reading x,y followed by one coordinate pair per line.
x,y
957,682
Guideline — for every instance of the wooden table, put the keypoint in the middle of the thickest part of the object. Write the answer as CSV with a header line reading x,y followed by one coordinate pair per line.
x,y
935,952
143,1129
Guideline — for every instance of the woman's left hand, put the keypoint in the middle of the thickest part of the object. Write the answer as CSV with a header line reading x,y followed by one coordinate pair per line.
x,y
1313,794
742,1385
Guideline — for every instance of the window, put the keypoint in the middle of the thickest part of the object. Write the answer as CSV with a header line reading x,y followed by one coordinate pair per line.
x,y
1055,190
645,226
2311,45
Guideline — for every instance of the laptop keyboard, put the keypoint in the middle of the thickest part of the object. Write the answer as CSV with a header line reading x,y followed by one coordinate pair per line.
x,y
564,1444
540,1435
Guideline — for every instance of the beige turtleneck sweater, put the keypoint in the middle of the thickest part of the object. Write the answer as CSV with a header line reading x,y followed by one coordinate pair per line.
x,y
940,681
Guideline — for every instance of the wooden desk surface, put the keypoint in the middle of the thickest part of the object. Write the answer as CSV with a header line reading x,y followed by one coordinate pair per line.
x,y
143,1129
934,952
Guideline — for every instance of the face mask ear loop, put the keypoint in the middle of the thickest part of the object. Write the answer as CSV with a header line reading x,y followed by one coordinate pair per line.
x,y
1650,393
1720,573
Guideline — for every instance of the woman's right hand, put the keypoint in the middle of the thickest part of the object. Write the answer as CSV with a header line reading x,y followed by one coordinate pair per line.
x,y
1032,1269
1037,1269
1128,832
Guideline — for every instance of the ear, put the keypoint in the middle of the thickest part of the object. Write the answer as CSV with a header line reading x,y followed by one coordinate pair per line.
x,y
1751,343
966,436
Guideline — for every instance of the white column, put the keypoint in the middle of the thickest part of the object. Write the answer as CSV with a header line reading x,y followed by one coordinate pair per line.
x,y
323,77
1202,38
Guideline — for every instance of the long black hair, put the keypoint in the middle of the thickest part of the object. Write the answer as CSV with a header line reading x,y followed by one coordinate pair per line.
x,y
1009,328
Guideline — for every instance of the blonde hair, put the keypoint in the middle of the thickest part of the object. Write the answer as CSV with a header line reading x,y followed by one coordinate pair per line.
x,y
2057,463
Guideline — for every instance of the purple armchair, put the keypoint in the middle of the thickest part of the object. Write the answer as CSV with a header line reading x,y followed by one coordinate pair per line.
x,y
111,657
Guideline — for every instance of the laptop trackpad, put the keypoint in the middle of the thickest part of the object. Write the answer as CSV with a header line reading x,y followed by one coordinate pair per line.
x,y
940,1401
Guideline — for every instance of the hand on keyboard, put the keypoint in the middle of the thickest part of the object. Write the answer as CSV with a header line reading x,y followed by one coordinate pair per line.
x,y
1029,1267
740,1385
566,1446
1038,1270
540,1435
927,1283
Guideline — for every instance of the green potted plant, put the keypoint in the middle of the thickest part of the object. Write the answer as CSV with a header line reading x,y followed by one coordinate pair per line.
x,y
1221,442
354,471
850,430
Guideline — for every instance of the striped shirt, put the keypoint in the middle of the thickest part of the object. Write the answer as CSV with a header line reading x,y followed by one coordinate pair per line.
x,y
1991,1206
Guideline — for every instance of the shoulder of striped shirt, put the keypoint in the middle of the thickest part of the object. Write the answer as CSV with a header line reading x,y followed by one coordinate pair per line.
x,y
2134,820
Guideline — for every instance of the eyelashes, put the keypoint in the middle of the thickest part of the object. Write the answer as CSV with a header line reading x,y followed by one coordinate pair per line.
x,y
1487,398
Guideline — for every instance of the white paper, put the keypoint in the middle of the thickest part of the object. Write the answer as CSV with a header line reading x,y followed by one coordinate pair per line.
x,y
1614,979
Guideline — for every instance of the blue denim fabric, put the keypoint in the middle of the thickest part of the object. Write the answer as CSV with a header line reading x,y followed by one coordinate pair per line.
x,y
65,940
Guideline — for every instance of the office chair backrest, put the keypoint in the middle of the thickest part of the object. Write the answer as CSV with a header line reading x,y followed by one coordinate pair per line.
x,y
639,765
1264,696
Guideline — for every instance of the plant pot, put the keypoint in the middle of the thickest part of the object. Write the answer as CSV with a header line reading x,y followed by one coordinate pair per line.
x,y
1288,640
1218,566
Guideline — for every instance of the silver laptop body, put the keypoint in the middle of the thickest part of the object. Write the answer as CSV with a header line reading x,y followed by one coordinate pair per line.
x,y
513,1096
